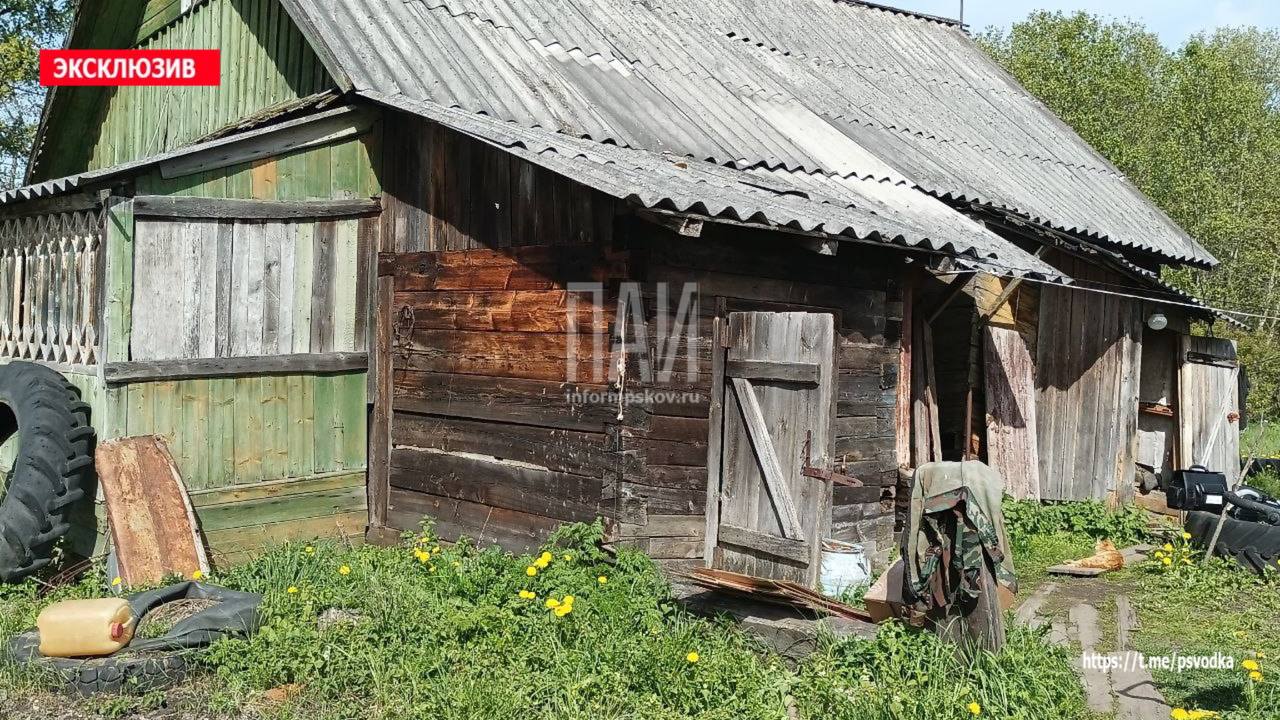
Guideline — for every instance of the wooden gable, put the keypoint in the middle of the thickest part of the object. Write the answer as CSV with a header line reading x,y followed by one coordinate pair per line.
x,y
266,63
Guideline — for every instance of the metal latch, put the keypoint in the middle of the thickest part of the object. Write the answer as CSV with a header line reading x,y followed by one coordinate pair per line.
x,y
830,476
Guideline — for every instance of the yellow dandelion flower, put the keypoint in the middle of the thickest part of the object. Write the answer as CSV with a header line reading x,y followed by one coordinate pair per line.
x,y
344,570
1180,714
563,610
293,590
309,550
1255,676
527,595
1167,561
974,709
602,580
1167,547
568,599
541,564
457,564
116,582
693,656
552,603
1250,665
546,556
435,550
1186,535
1201,714
197,575
531,571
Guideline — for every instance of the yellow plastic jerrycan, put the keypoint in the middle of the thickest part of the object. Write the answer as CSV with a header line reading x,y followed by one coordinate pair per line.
x,y
85,628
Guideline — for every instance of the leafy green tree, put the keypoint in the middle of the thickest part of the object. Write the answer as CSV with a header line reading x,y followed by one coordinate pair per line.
x,y
25,27
1197,128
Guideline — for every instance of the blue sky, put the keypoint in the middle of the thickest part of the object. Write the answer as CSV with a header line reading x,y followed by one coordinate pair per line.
x,y
1173,20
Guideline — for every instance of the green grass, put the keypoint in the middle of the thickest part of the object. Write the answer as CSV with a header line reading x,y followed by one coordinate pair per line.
x,y
1183,608
1260,440
447,635
1043,535
1194,609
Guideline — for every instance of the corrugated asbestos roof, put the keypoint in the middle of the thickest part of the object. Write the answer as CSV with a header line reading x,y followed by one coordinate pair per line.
x,y
820,86
864,209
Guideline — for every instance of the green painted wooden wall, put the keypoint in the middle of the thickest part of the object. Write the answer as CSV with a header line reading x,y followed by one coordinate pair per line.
x,y
266,62
344,170
224,432
268,458
265,458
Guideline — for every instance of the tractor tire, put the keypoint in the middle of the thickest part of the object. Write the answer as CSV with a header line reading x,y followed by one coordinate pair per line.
x,y
1252,545
54,463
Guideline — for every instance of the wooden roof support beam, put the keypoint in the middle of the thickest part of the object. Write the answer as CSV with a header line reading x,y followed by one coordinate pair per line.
x,y
956,287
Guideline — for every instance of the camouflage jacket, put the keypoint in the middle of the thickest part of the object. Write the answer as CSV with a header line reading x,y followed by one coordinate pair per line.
x,y
955,518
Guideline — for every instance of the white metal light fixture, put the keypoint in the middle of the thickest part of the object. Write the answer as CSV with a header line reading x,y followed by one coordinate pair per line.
x,y
1157,321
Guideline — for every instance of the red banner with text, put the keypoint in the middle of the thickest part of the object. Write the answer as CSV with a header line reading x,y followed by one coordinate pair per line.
x,y
130,67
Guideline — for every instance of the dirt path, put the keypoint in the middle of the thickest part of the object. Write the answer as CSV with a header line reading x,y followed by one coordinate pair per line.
x,y
1095,615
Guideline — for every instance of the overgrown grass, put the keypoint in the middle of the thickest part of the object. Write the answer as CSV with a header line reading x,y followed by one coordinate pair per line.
x,y
1042,535
1268,481
1193,609
1261,440
444,633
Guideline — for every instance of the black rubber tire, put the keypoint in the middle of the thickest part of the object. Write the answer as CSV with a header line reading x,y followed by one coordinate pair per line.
x,y
54,463
123,671
1252,545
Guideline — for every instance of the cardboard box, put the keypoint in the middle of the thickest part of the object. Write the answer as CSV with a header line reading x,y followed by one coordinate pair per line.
x,y
884,598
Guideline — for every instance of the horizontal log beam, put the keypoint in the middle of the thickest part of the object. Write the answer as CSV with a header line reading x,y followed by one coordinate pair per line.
x,y
119,373
167,206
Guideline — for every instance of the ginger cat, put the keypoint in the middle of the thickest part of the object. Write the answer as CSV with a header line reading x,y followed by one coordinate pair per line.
x,y
1105,557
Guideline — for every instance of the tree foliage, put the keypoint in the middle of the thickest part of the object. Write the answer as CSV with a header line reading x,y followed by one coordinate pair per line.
x,y
25,27
1197,128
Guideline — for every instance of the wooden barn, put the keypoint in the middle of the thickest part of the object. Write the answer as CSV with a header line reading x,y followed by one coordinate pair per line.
x,y
720,278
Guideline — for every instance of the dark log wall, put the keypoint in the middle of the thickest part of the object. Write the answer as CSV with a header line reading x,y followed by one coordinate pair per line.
x,y
487,436
482,247
662,496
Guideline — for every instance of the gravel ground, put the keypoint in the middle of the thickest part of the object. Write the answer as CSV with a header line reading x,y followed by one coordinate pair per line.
x,y
188,702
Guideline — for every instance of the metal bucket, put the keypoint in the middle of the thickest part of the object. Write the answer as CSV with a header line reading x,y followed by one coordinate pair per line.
x,y
844,566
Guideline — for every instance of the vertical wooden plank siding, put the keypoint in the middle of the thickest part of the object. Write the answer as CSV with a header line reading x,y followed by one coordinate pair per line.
x,y
225,432
1208,404
119,289
258,68
1088,357
244,288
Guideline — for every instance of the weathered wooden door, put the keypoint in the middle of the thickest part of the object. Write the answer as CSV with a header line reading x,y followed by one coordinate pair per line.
x,y
775,381
1209,405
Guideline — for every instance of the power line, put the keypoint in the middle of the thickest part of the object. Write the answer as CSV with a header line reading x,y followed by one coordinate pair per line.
x,y
1177,301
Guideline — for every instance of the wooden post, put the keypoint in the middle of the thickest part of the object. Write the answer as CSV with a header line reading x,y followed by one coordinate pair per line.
x,y
117,309
379,490
715,437
902,404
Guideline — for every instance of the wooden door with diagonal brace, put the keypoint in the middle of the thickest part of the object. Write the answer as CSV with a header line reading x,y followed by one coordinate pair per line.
x,y
774,387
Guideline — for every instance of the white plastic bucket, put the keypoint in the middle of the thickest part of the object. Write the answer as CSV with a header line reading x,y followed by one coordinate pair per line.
x,y
844,566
